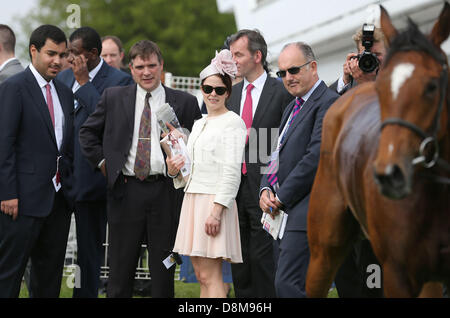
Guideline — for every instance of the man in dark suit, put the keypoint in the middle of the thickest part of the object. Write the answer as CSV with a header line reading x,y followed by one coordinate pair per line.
x,y
260,100
36,151
9,65
288,182
88,77
122,138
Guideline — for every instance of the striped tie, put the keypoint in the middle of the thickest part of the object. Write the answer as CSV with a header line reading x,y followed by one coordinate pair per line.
x,y
142,163
273,166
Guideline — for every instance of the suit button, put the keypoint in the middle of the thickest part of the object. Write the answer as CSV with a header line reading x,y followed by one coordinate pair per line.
x,y
118,171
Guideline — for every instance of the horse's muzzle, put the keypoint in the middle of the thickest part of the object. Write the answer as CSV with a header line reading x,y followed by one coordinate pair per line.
x,y
392,182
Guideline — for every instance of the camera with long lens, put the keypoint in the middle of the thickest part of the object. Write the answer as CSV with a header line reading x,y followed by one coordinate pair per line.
x,y
367,61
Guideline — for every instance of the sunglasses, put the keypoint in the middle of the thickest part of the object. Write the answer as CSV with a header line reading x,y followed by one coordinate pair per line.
x,y
292,70
220,90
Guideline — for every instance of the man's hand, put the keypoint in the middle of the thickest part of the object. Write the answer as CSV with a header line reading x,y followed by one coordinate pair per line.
x,y
269,203
346,67
80,69
10,207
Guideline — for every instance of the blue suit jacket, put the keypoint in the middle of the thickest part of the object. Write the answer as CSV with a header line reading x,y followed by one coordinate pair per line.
x,y
28,150
299,155
90,184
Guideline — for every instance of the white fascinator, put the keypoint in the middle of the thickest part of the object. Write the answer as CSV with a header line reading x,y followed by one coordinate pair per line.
x,y
222,64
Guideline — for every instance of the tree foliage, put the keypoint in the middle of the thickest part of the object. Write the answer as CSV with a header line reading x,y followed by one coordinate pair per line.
x,y
187,31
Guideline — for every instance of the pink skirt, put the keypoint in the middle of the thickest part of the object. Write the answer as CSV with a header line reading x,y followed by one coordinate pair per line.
x,y
192,239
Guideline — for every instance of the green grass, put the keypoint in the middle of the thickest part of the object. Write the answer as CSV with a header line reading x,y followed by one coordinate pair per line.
x,y
182,290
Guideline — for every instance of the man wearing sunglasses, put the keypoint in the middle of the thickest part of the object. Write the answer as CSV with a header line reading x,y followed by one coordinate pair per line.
x,y
289,180
260,100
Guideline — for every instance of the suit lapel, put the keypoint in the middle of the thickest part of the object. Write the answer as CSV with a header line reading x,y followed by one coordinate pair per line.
x,y
129,102
264,99
307,107
39,102
99,79
170,98
235,99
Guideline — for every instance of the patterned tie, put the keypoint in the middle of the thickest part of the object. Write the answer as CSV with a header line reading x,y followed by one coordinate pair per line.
x,y
50,103
247,116
142,163
273,166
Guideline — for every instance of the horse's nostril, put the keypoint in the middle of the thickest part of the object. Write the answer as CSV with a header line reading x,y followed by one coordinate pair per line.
x,y
392,177
397,177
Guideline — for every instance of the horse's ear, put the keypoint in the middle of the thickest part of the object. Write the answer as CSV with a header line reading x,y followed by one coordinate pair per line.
x,y
389,31
441,28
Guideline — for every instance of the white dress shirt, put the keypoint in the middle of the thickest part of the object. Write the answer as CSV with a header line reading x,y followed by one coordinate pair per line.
x,y
256,92
57,109
157,162
92,74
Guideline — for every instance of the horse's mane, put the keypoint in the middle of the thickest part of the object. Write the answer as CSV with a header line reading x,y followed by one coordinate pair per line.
x,y
412,39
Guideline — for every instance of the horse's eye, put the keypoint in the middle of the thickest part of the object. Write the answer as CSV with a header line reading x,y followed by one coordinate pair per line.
x,y
431,88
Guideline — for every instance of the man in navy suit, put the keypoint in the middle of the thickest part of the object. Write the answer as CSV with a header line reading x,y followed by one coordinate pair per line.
x,y
36,151
289,179
88,77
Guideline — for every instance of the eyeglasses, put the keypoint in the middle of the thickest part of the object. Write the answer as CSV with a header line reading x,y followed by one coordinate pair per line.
x,y
292,70
220,90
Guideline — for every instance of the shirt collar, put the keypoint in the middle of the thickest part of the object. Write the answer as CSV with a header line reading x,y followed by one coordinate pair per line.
x,y
307,95
142,92
6,62
95,70
258,83
41,81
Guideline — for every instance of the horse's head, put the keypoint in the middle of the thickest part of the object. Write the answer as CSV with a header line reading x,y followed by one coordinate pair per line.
x,y
412,87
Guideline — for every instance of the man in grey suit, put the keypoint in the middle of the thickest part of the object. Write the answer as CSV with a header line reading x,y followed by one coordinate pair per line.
x,y
9,65
260,100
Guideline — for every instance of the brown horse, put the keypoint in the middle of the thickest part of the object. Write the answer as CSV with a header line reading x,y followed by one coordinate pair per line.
x,y
384,168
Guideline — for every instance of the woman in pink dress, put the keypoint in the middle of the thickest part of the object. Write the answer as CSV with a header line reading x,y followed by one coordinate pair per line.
x,y
209,228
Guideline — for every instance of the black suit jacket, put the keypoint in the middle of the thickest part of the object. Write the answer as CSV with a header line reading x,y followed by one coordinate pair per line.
x,y
28,149
299,155
272,103
108,131
334,86
90,184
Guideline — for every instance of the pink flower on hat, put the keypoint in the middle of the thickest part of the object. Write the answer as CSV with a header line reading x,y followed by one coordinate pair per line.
x,y
224,63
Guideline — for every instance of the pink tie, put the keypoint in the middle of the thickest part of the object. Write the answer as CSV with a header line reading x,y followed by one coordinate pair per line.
x,y
247,116
50,104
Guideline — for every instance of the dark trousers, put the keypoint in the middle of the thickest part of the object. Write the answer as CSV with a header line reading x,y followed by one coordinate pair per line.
x,y
256,275
351,278
140,209
90,218
44,240
293,260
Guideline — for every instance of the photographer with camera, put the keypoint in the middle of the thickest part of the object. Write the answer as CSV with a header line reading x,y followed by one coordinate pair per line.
x,y
352,277
362,67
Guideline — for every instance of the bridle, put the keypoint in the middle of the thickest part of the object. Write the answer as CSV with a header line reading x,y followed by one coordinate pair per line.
x,y
428,138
